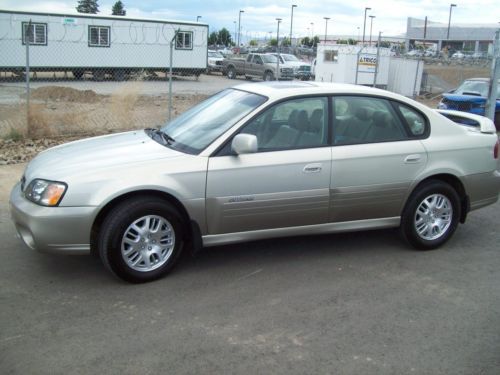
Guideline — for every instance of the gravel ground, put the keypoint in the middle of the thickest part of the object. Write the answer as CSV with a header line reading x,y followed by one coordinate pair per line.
x,y
361,303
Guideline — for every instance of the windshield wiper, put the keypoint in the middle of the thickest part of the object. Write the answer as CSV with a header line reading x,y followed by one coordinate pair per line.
x,y
159,134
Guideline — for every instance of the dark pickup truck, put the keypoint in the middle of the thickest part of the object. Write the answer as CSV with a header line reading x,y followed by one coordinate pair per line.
x,y
256,65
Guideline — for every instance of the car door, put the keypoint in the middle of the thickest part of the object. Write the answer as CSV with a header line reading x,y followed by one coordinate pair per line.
x,y
285,183
376,155
255,66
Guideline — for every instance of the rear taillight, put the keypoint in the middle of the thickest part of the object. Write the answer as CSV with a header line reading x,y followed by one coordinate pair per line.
x,y
495,149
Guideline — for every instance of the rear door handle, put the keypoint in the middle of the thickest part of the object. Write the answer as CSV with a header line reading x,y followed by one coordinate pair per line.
x,y
412,159
312,168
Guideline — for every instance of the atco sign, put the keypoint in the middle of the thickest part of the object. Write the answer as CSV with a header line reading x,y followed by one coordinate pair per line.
x,y
367,62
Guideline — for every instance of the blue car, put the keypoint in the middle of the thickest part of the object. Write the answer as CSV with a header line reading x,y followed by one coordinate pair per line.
x,y
471,97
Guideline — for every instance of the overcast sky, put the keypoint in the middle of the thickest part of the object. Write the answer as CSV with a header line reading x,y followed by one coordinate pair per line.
x,y
260,15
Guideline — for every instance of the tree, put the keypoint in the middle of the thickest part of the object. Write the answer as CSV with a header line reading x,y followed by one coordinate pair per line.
x,y
253,43
225,37
212,39
87,6
306,41
118,9
273,42
286,42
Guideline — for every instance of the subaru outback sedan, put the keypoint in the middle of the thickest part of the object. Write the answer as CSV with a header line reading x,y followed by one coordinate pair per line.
x,y
259,161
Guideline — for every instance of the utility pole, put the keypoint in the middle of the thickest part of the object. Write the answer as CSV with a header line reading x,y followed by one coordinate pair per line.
x,y
371,25
364,25
326,26
449,21
278,49
291,25
239,29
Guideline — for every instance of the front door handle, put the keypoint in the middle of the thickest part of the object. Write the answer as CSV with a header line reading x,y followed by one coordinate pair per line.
x,y
412,159
312,168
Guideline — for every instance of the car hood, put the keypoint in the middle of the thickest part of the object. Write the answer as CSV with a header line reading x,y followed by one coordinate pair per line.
x,y
465,98
296,63
92,154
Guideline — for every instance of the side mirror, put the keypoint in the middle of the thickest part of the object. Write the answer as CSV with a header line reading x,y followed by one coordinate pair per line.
x,y
244,144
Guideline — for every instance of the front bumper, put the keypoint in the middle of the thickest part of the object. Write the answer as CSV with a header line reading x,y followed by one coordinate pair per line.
x,y
51,229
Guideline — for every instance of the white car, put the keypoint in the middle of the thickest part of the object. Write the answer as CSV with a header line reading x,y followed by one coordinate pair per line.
x,y
260,161
301,69
214,62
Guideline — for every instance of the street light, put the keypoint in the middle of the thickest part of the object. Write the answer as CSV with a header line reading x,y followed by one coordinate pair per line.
x,y
234,32
239,29
358,35
326,25
449,21
371,25
278,49
198,18
291,25
364,25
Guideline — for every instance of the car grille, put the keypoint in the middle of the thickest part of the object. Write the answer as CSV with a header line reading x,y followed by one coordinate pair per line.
x,y
218,63
305,68
458,106
287,71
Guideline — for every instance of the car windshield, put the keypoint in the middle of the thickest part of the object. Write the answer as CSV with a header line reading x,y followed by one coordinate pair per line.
x,y
215,54
198,127
269,58
475,87
290,58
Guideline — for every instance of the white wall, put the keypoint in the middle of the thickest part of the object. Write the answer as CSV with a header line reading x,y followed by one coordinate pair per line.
x,y
133,43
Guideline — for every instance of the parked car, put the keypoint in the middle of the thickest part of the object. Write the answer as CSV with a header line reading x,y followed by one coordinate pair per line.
x,y
214,61
459,55
257,161
415,53
256,65
301,69
471,96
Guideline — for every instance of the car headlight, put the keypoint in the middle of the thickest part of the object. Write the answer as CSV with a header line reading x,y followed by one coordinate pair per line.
x,y
45,193
442,105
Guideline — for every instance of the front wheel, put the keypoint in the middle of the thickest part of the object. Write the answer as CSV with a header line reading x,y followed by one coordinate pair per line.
x,y
231,73
431,215
141,239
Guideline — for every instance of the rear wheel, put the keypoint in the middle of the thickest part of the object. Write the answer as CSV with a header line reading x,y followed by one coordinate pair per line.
x,y
431,215
268,76
231,73
248,78
141,239
78,74
119,75
98,75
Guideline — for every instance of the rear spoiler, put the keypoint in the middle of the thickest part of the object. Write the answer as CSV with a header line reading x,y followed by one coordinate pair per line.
x,y
484,124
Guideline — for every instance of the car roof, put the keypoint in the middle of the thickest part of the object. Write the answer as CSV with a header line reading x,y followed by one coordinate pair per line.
x,y
276,90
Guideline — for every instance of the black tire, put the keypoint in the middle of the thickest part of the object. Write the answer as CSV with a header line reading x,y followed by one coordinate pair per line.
x,y
408,220
99,75
119,75
248,78
78,74
231,73
268,76
113,230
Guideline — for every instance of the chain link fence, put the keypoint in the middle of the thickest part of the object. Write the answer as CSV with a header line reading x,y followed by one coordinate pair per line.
x,y
86,74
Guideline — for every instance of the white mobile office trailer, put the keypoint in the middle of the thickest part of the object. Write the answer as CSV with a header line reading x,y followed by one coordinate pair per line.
x,y
89,43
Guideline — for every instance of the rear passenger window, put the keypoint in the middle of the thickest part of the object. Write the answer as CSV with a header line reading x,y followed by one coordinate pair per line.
x,y
416,121
361,119
297,123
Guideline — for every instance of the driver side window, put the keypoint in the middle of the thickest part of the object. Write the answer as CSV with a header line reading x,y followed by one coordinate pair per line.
x,y
297,123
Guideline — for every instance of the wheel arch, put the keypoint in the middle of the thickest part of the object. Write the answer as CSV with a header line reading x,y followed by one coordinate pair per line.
x,y
191,226
451,180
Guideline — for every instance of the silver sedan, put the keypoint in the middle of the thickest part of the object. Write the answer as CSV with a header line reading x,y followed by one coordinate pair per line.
x,y
260,161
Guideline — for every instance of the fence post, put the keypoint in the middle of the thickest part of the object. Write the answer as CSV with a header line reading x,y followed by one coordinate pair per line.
x,y
27,37
377,61
495,76
170,76
416,79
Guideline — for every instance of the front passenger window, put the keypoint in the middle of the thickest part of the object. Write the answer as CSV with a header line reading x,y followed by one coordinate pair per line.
x,y
297,123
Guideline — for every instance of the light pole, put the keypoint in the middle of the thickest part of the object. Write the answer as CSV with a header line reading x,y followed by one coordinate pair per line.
x,y
449,21
358,35
278,49
234,31
326,26
371,25
291,25
364,25
198,18
312,30
239,29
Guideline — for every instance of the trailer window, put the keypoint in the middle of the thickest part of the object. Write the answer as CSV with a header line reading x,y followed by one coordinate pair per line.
x,y
99,36
184,40
35,33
